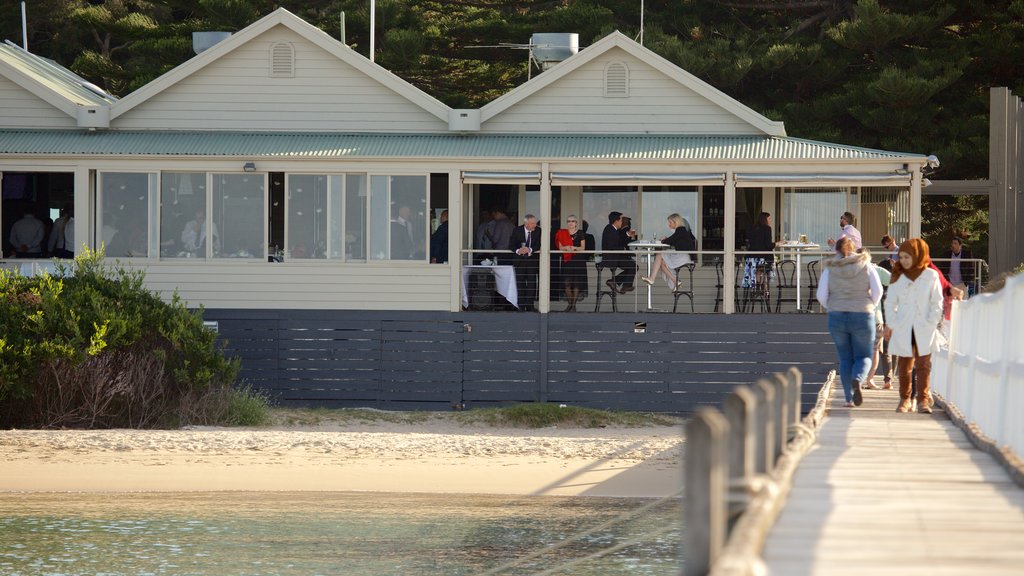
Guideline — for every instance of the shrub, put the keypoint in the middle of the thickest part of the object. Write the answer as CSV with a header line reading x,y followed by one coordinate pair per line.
x,y
90,346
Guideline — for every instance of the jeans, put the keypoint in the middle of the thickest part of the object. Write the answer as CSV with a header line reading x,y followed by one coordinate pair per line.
x,y
854,336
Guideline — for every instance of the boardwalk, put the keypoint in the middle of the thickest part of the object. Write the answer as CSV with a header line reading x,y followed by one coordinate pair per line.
x,y
885,493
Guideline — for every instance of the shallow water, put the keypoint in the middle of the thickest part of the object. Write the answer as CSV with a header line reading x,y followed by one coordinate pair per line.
x,y
329,533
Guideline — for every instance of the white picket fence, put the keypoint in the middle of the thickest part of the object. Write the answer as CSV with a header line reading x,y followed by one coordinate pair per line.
x,y
982,372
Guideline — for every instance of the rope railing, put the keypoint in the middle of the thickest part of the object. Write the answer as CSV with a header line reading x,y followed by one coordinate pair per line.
x,y
738,468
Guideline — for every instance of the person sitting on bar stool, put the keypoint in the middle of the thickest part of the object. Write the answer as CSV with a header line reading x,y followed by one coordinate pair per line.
x,y
613,239
684,242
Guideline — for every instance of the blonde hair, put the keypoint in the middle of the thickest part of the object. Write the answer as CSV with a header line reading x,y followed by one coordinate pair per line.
x,y
676,220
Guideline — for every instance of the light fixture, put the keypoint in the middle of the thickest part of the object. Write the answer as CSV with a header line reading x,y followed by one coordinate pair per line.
x,y
933,161
925,183
249,166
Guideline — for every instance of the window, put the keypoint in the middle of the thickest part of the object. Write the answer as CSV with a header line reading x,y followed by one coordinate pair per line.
x,y
308,204
660,202
814,212
355,217
182,214
127,214
239,221
616,80
599,201
398,217
282,60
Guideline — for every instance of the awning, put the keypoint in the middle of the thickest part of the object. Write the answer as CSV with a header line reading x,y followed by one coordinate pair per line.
x,y
820,179
639,179
501,177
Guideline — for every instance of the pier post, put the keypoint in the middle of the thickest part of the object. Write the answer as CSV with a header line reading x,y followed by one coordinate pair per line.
x,y
705,470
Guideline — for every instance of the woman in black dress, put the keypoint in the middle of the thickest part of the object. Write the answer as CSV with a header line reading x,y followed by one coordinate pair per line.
x,y
760,240
574,266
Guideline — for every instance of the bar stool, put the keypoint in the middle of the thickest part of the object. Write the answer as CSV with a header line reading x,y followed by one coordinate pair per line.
x,y
719,285
812,283
602,289
679,291
785,277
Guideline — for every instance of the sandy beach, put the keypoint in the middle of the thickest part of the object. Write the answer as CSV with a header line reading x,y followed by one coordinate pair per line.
x,y
437,456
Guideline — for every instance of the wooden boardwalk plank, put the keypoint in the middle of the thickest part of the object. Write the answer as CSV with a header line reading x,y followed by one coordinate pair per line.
x,y
884,494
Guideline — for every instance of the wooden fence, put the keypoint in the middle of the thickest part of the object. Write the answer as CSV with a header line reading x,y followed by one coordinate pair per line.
x,y
738,467
435,360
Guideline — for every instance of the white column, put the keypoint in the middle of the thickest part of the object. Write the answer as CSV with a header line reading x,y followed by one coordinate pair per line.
x,y
84,195
915,205
544,286
456,232
728,269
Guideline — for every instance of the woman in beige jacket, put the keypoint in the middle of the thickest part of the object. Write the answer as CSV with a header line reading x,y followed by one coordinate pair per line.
x,y
913,310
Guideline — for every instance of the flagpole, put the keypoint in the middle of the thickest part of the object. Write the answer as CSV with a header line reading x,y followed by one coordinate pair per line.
x,y
373,28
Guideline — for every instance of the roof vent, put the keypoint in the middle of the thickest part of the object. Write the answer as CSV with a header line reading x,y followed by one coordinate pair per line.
x,y
616,80
282,60
550,48
204,40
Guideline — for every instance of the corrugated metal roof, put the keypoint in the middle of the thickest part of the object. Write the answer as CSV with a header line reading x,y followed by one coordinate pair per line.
x,y
334,145
54,76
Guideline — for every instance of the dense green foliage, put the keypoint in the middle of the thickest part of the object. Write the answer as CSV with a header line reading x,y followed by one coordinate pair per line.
x,y
92,347
903,75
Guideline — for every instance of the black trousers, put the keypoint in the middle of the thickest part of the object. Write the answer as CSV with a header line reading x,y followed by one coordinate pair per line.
x,y
527,269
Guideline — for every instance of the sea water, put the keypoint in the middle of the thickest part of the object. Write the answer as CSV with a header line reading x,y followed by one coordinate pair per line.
x,y
301,533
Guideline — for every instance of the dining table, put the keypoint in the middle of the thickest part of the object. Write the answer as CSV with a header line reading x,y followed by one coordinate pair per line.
x,y
648,247
504,281
797,248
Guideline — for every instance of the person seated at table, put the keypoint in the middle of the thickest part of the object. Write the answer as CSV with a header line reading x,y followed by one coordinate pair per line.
x,y
573,271
613,239
759,240
684,242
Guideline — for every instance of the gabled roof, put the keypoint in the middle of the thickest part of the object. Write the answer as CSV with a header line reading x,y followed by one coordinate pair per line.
x,y
306,145
51,82
318,37
618,40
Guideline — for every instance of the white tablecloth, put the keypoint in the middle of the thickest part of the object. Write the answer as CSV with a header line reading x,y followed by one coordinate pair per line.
x,y
504,280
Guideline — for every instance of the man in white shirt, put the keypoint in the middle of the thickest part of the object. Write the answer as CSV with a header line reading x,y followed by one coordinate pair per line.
x,y
846,223
27,236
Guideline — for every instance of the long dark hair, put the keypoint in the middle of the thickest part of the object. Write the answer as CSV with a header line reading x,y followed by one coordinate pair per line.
x,y
762,220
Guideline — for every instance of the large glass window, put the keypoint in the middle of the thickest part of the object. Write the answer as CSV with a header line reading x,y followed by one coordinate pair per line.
x,y
127,214
355,217
308,205
398,217
239,224
599,201
660,202
182,214
814,212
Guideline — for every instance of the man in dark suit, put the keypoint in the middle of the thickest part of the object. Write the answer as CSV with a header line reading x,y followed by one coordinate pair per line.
x,y
613,239
958,272
439,241
402,235
525,246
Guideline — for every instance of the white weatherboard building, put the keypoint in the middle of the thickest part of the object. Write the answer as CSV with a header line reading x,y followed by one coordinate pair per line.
x,y
273,170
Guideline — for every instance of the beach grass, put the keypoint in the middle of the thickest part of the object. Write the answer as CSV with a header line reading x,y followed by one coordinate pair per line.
x,y
526,415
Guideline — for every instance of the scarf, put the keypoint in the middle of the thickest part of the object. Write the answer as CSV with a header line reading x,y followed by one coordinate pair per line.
x,y
918,250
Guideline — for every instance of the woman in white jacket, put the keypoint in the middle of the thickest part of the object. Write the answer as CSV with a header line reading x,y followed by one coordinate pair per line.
x,y
913,310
